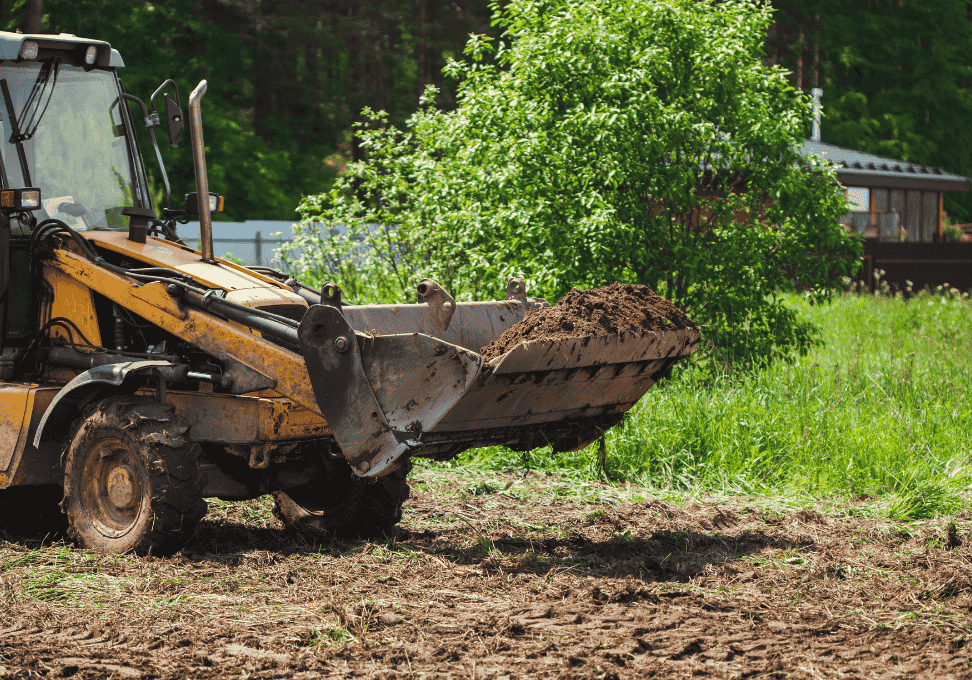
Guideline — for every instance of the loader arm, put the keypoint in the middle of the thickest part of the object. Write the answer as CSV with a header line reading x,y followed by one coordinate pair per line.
x,y
340,392
227,341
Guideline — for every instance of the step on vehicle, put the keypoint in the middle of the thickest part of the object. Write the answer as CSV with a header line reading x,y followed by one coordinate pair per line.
x,y
141,376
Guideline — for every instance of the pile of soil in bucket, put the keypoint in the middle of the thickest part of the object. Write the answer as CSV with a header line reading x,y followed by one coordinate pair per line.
x,y
609,310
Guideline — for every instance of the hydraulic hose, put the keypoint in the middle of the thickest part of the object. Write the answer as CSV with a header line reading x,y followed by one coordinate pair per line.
x,y
285,334
200,292
279,328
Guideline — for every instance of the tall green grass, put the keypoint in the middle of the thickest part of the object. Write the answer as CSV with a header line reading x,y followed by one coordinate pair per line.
x,y
880,410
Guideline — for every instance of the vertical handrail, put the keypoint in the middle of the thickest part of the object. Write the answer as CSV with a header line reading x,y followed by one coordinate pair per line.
x,y
199,165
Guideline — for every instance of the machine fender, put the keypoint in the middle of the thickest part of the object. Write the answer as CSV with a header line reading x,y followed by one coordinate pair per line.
x,y
85,387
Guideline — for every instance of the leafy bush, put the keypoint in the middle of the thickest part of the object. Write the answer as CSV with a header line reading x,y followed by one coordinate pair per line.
x,y
642,141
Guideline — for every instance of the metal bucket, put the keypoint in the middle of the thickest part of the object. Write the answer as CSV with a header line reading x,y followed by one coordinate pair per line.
x,y
396,380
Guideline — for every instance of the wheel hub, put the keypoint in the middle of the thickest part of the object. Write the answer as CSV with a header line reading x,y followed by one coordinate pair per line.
x,y
123,490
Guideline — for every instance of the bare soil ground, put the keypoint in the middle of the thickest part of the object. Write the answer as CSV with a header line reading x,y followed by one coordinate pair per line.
x,y
507,577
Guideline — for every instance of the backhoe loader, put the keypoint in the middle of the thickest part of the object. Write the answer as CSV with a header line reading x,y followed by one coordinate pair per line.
x,y
141,376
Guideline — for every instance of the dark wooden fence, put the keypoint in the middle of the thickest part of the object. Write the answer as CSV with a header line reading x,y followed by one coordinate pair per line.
x,y
924,264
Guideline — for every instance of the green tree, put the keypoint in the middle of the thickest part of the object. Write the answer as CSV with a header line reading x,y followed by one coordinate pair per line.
x,y
286,79
643,141
895,76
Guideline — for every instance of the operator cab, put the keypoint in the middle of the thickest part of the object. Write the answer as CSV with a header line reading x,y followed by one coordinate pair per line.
x,y
64,129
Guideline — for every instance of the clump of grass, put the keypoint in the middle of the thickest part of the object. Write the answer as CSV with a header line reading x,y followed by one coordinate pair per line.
x,y
880,409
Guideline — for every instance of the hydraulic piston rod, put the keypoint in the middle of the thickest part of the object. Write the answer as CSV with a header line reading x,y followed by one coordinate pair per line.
x,y
282,333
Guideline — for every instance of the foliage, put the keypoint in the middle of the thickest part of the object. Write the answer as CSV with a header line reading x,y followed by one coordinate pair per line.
x,y
171,39
895,77
951,232
593,142
881,410
289,79
286,79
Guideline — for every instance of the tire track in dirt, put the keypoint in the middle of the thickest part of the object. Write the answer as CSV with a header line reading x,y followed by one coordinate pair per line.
x,y
506,585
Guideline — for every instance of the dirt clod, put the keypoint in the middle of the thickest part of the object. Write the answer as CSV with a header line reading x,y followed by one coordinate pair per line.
x,y
953,540
608,310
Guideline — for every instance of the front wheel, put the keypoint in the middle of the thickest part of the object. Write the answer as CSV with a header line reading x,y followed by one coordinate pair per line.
x,y
131,479
346,506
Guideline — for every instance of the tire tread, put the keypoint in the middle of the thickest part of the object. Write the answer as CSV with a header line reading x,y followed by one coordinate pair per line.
x,y
171,460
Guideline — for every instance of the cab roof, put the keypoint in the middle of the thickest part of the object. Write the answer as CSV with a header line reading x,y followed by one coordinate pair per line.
x,y
10,44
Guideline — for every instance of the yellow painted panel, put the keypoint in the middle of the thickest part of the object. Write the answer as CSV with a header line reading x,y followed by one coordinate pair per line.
x,y
225,275
235,419
73,301
211,334
30,466
15,403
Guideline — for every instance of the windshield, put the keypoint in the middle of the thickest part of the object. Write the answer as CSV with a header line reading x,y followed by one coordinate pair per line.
x,y
77,152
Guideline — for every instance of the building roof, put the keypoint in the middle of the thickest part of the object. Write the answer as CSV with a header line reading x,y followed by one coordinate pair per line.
x,y
856,168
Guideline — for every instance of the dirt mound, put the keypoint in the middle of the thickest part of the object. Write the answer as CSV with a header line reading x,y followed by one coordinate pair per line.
x,y
609,310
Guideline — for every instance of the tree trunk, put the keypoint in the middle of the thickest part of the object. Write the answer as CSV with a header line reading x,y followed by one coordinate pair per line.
x,y
267,72
420,71
799,73
816,54
35,16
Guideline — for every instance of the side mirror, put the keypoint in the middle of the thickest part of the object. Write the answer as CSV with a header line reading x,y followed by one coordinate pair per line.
x,y
20,200
173,115
173,120
215,203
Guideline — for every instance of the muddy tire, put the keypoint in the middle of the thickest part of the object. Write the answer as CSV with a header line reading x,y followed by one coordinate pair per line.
x,y
347,506
131,478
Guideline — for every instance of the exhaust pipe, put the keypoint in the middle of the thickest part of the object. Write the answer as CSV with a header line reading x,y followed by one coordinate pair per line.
x,y
199,166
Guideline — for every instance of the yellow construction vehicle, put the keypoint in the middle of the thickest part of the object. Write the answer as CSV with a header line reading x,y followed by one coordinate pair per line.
x,y
141,376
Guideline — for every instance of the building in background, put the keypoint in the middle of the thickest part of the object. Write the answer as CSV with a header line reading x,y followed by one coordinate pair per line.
x,y
892,200
897,208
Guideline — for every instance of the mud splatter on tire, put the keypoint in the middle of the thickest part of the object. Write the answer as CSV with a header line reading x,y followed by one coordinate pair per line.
x,y
131,480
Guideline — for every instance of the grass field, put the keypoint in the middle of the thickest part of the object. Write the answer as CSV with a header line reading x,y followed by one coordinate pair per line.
x,y
879,412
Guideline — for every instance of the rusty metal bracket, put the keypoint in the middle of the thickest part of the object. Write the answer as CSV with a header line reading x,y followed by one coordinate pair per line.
x,y
331,294
238,378
259,457
441,303
344,395
516,290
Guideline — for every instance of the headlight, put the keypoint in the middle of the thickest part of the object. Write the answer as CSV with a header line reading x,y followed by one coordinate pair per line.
x,y
30,199
90,55
216,203
19,200
28,50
